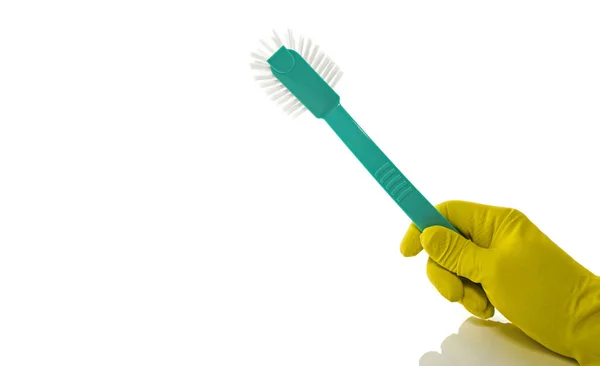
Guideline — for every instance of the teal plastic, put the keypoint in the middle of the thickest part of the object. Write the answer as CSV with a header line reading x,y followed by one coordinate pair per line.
x,y
304,82
324,103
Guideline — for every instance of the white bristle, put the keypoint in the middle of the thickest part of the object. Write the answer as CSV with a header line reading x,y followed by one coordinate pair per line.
x,y
289,104
323,65
264,76
328,69
268,83
286,98
336,79
332,74
259,56
260,66
312,57
310,51
301,46
296,107
279,93
291,43
276,89
301,110
318,60
277,39
293,106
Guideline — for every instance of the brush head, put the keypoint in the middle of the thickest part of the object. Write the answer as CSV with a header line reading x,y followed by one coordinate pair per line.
x,y
310,52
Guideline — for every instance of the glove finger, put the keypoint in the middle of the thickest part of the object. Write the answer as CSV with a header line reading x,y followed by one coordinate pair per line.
x,y
411,244
487,313
455,253
475,221
475,300
474,297
447,283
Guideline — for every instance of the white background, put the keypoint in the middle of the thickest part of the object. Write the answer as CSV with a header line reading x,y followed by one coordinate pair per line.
x,y
157,209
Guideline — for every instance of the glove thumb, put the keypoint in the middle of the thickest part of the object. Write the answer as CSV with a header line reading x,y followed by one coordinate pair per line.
x,y
455,253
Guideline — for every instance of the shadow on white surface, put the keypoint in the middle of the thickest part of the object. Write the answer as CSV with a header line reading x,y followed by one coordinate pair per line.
x,y
484,342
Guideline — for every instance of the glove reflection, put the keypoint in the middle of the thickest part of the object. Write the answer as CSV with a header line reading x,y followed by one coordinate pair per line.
x,y
485,342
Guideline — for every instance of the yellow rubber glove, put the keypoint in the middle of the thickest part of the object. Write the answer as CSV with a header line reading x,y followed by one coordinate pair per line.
x,y
503,261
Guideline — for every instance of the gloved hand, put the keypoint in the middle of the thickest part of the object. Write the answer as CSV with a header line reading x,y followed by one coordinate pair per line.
x,y
503,261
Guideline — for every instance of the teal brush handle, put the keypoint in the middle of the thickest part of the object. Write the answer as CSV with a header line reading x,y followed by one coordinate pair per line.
x,y
323,102
422,213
